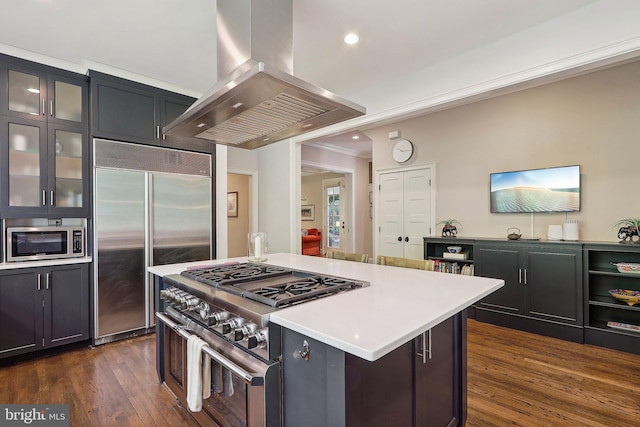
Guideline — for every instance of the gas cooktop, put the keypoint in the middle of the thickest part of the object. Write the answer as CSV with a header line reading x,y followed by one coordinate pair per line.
x,y
271,285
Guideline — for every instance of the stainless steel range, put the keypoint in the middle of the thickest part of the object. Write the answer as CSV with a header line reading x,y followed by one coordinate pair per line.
x,y
228,306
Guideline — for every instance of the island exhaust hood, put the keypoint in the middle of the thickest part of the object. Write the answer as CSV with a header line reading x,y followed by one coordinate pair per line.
x,y
257,100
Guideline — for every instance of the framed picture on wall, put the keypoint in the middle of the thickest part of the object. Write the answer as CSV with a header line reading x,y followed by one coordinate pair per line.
x,y
232,204
308,212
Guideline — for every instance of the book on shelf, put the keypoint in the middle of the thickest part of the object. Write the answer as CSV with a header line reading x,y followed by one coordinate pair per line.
x,y
461,255
453,267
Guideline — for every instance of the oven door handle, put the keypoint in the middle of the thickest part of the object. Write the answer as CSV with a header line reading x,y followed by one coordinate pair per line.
x,y
223,361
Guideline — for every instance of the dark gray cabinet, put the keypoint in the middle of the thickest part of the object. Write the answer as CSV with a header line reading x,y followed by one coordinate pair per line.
x,y
606,319
44,169
21,313
43,307
440,375
128,111
543,287
38,92
420,383
43,141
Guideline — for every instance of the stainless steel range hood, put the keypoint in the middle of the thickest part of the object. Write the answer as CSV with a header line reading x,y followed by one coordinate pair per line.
x,y
257,100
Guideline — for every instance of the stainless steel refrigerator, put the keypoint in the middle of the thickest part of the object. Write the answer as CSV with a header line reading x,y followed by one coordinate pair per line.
x,y
152,206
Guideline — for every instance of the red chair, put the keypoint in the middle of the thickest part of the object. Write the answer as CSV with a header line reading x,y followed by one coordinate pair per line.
x,y
311,242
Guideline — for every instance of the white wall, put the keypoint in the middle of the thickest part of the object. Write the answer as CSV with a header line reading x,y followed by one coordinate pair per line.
x,y
279,188
591,120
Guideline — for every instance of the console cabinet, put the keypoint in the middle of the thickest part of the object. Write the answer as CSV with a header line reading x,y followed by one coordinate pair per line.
x,y
43,307
543,287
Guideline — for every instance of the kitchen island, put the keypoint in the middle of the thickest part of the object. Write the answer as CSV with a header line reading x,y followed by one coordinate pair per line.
x,y
391,351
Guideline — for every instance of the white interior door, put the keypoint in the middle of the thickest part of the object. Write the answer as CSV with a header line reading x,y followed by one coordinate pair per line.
x,y
405,212
391,214
417,211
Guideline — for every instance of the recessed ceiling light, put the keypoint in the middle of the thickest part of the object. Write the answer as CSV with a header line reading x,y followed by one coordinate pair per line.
x,y
201,125
237,104
355,137
306,125
33,90
351,38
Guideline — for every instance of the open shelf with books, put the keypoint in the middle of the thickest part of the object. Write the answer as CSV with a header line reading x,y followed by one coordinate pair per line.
x,y
609,322
461,262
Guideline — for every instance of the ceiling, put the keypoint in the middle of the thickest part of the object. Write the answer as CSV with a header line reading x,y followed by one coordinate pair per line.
x,y
173,41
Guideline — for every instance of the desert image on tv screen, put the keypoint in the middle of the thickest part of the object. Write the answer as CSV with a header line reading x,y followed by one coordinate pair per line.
x,y
539,190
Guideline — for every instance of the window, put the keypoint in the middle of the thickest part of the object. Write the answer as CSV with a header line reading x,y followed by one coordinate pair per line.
x,y
332,198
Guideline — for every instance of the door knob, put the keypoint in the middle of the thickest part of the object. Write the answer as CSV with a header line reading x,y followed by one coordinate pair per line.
x,y
406,239
399,238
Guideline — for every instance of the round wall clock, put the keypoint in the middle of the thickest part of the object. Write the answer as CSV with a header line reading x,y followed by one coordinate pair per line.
x,y
402,150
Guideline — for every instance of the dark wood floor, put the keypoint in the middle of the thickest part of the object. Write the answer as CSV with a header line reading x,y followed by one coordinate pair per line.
x,y
515,379
521,379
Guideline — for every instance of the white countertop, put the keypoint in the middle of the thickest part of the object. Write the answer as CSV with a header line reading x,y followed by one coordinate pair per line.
x,y
400,304
44,263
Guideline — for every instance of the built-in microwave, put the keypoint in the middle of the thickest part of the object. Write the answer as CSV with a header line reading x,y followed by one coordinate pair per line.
x,y
37,243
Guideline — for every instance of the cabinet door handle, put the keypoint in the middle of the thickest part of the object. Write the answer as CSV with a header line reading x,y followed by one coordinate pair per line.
x,y
43,111
46,281
44,197
157,132
51,200
399,238
525,276
406,239
51,108
39,280
519,275
425,340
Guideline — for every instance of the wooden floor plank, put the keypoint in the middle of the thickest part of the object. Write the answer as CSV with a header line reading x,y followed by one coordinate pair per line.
x,y
514,379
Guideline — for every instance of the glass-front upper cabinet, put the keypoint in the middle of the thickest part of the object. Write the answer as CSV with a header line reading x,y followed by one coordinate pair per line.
x,y
68,168
39,95
46,168
24,150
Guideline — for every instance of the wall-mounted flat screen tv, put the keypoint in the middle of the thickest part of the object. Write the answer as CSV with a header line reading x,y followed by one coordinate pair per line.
x,y
536,190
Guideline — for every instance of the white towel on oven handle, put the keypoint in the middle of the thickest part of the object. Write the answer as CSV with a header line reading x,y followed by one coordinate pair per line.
x,y
195,373
206,376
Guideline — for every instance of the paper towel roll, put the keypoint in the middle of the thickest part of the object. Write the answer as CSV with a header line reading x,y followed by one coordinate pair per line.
x,y
570,230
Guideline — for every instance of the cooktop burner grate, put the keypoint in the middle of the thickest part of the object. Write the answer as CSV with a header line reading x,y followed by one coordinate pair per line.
x,y
300,290
229,274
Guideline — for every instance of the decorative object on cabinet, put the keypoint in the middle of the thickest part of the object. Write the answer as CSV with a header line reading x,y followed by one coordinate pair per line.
x,y
627,267
454,249
602,276
625,295
512,234
308,212
232,204
449,227
628,230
